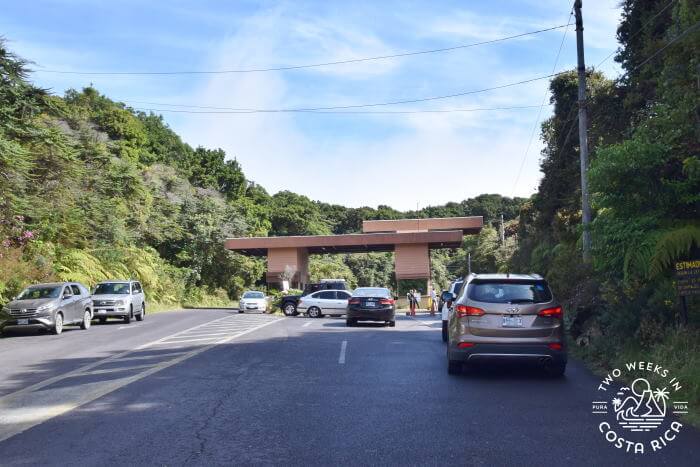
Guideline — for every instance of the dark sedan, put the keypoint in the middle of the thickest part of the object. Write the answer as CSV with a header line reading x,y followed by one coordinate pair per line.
x,y
371,304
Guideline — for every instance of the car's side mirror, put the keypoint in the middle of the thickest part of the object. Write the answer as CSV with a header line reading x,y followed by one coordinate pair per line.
x,y
448,296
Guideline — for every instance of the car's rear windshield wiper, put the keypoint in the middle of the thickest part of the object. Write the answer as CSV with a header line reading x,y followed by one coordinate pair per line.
x,y
522,300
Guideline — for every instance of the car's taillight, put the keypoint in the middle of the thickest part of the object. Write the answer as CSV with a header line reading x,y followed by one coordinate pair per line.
x,y
464,310
354,301
555,346
555,312
386,301
464,345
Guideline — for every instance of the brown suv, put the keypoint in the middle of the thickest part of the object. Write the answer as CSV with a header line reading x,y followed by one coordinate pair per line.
x,y
506,316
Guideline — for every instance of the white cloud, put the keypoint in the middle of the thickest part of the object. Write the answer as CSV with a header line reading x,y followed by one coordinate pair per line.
x,y
401,166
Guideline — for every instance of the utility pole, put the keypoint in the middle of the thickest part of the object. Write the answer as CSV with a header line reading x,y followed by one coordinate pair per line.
x,y
583,133
469,262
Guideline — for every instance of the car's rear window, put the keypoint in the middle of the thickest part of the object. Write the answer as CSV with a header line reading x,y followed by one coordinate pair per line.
x,y
509,291
371,292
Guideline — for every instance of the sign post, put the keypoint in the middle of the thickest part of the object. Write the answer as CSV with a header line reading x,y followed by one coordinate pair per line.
x,y
687,283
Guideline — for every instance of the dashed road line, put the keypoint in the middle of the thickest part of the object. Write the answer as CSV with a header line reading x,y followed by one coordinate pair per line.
x,y
341,358
307,324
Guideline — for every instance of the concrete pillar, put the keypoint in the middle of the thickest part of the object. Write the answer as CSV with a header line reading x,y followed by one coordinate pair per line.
x,y
412,261
294,259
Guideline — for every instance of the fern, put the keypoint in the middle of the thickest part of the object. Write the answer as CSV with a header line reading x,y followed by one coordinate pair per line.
x,y
673,245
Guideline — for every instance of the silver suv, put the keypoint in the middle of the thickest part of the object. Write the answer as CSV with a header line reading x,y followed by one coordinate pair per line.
x,y
506,316
119,299
48,306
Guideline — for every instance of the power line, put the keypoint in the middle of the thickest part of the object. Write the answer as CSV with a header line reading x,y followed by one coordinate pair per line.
x,y
312,65
349,112
539,113
376,104
620,75
641,28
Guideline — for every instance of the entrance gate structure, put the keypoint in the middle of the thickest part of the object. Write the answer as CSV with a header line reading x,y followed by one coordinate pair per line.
x,y
409,239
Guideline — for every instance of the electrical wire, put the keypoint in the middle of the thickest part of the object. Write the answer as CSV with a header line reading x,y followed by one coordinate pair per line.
x,y
375,104
298,67
539,113
350,112
641,28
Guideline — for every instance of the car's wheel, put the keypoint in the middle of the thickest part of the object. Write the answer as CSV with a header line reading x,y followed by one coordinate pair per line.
x,y
289,309
142,315
240,311
454,367
103,320
128,318
556,370
392,324
58,324
444,331
314,312
351,323
87,320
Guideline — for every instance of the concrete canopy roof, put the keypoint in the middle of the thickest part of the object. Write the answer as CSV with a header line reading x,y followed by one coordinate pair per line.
x,y
349,243
468,225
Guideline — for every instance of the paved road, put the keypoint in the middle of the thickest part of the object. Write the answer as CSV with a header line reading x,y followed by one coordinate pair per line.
x,y
213,387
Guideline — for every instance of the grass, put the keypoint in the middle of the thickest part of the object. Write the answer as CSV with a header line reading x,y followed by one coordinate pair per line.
x,y
162,307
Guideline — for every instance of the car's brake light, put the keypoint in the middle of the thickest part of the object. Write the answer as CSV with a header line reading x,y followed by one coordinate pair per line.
x,y
386,301
555,312
354,301
464,345
464,310
555,346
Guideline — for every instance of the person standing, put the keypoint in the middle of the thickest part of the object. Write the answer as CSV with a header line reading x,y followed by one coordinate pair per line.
x,y
433,301
412,299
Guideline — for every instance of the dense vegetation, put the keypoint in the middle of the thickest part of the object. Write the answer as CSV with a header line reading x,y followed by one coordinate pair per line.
x,y
91,189
645,184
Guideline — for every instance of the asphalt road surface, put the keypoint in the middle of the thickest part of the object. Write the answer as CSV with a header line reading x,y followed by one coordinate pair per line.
x,y
214,387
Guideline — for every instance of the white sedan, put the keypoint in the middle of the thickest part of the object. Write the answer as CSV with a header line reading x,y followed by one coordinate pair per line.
x,y
253,300
324,302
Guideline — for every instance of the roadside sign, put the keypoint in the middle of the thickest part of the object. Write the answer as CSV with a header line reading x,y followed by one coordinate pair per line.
x,y
688,277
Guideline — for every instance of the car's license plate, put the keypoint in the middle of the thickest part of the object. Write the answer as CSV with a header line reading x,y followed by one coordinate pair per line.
x,y
512,322
22,321
101,311
370,304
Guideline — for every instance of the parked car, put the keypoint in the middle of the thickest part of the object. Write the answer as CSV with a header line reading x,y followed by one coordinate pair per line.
x,y
288,303
371,304
119,299
324,302
506,316
252,300
48,306
448,296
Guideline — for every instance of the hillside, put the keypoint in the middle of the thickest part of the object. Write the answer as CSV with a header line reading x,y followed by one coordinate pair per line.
x,y
92,189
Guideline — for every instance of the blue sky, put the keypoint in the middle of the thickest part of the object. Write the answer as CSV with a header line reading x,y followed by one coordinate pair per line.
x,y
352,159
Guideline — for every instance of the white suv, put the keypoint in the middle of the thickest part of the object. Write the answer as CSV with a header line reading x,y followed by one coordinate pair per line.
x,y
119,299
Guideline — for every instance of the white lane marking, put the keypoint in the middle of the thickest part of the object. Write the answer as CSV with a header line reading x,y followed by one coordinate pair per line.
x,y
307,324
178,341
90,366
341,358
204,334
20,411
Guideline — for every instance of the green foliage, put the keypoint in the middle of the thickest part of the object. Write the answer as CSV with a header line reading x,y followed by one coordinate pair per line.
x,y
645,187
330,267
